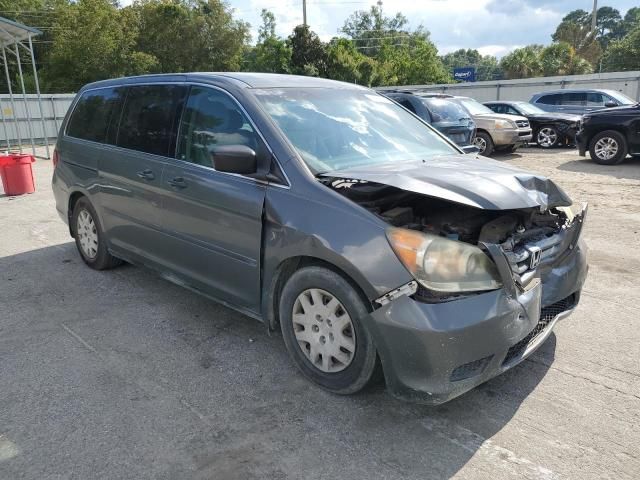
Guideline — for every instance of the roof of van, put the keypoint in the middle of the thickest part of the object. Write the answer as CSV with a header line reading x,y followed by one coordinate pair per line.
x,y
239,79
575,90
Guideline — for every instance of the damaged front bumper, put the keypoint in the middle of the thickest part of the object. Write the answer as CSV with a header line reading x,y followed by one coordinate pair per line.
x,y
433,352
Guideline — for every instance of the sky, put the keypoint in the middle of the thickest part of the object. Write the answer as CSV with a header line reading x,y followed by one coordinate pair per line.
x,y
493,27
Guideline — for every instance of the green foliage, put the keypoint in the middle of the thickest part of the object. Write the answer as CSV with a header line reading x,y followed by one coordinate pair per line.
x,y
370,29
581,38
271,54
92,41
624,54
308,53
523,62
561,59
88,40
209,38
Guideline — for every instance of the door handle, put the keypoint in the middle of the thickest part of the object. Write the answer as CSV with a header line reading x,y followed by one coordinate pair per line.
x,y
146,174
177,182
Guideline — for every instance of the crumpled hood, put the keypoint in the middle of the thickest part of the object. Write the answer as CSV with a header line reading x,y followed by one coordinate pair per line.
x,y
469,180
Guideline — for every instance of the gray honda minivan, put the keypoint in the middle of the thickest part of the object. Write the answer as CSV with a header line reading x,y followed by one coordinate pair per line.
x,y
327,211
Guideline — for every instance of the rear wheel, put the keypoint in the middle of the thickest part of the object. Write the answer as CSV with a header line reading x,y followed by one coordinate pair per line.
x,y
89,237
484,143
547,137
321,319
608,148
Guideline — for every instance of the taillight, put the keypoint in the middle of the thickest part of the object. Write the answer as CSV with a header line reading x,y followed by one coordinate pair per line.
x,y
56,158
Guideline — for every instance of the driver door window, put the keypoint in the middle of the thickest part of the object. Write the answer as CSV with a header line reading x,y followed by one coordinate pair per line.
x,y
212,119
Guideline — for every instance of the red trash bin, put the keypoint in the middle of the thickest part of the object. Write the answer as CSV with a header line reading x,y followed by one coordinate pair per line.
x,y
17,174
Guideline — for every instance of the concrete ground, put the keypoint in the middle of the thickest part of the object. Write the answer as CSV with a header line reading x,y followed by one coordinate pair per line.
x,y
120,374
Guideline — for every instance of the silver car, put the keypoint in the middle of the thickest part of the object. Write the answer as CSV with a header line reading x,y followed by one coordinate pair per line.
x,y
580,101
495,131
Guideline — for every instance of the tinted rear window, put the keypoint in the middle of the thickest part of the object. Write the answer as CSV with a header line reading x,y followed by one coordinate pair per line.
x,y
148,121
555,99
574,99
94,112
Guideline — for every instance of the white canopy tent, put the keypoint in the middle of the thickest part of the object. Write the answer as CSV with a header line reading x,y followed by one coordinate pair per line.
x,y
13,37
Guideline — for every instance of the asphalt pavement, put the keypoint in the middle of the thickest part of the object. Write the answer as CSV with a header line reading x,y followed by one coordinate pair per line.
x,y
122,375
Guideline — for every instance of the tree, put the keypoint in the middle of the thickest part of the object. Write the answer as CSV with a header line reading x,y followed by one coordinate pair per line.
x,y
308,53
561,59
209,37
368,29
608,23
630,21
523,62
411,63
93,40
271,53
623,54
581,38
346,63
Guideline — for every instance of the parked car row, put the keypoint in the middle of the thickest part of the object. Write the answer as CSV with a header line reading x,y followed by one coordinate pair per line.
x,y
606,123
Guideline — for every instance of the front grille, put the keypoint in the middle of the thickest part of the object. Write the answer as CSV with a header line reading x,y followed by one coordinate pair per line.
x,y
547,314
522,123
470,369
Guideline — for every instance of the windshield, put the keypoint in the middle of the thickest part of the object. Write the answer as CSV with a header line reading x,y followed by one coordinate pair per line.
x,y
529,108
621,97
335,129
474,107
445,110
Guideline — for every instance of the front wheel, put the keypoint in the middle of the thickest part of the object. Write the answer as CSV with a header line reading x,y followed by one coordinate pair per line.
x,y
484,143
321,319
608,148
547,137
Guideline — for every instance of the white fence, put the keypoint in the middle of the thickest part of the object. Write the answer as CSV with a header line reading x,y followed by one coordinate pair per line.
x,y
54,107
625,82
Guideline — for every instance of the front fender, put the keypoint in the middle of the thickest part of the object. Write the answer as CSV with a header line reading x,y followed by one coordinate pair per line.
x,y
335,231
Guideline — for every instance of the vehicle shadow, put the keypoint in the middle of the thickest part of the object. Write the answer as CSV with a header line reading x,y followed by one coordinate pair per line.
x,y
625,170
136,346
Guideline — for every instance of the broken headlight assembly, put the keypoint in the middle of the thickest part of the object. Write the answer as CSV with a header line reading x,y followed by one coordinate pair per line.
x,y
444,265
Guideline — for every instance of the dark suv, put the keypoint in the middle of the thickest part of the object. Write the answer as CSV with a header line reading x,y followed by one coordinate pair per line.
x,y
610,134
444,115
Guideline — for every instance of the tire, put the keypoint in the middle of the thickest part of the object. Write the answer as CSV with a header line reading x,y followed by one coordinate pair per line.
x,y
484,142
547,136
343,331
90,238
608,148
511,148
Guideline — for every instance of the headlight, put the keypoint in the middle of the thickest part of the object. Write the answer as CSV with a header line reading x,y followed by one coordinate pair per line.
x,y
444,265
502,124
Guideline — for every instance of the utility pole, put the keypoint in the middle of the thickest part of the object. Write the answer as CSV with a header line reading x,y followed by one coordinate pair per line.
x,y
304,12
594,16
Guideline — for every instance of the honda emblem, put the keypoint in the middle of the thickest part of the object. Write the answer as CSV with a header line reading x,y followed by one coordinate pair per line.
x,y
534,257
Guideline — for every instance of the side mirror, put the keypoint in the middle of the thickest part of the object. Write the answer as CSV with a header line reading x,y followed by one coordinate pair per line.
x,y
238,159
469,149
610,104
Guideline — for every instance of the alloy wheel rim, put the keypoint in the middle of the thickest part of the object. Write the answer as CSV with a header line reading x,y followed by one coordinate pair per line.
x,y
87,234
323,330
547,137
606,148
480,143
